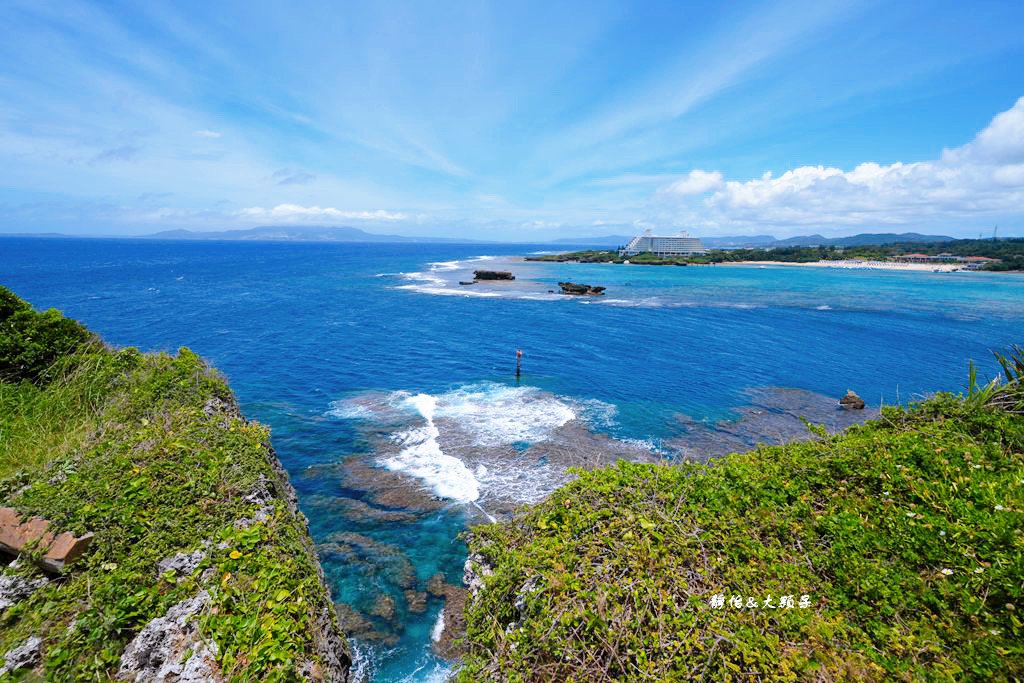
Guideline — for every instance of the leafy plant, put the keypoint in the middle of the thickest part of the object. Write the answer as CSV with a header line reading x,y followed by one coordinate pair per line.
x,y
905,534
1008,395
31,343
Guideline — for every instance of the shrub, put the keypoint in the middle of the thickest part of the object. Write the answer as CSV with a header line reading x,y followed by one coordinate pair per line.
x,y
904,533
31,342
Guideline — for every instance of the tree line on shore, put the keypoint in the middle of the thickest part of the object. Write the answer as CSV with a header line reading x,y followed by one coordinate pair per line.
x,y
1010,253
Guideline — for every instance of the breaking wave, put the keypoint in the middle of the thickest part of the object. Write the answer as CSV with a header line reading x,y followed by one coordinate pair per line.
x,y
462,443
422,457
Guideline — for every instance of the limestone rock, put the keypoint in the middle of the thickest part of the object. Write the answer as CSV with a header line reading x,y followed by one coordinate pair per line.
x,y
384,607
14,589
493,275
580,290
476,568
23,656
436,584
851,401
182,564
156,652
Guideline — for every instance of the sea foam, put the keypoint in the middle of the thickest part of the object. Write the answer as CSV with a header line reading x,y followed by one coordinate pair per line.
x,y
421,456
487,417
496,415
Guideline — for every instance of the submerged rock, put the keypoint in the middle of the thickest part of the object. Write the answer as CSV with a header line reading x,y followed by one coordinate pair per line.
x,y
775,415
436,585
416,601
384,607
851,401
375,557
355,625
358,511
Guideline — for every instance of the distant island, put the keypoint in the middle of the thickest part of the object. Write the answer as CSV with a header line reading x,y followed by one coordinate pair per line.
x,y
292,233
344,233
950,254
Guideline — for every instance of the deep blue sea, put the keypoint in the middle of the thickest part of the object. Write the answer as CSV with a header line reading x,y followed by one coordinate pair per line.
x,y
370,360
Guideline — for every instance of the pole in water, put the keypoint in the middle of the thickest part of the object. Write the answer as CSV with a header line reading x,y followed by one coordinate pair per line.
x,y
519,362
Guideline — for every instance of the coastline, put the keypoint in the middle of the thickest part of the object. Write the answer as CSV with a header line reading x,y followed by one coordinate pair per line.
x,y
858,265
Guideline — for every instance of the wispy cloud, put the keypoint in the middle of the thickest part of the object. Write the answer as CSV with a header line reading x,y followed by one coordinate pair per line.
x,y
119,153
289,176
295,212
502,118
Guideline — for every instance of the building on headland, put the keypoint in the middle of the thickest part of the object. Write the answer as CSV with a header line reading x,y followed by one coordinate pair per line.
x,y
680,244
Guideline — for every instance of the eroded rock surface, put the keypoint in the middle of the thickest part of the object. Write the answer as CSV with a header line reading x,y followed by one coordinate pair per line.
x,y
575,289
493,275
24,656
182,564
851,401
453,627
158,652
14,589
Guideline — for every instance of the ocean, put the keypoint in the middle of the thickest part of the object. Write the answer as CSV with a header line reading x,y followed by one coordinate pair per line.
x,y
394,403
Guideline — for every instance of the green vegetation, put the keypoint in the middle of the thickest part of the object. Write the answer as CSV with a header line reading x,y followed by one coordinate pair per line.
x,y
149,453
30,342
1009,251
906,533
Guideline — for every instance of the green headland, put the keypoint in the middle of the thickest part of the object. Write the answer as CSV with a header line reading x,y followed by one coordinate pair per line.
x,y
200,567
903,538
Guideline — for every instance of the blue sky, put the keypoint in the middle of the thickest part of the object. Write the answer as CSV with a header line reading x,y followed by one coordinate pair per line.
x,y
513,120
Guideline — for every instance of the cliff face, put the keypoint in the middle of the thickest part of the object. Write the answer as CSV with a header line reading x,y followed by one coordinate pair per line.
x,y
200,566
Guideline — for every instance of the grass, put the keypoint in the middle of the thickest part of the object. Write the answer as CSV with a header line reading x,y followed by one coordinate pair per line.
x,y
906,534
148,452
38,422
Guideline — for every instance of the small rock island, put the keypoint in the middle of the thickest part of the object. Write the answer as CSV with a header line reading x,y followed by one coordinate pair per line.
x,y
493,275
574,289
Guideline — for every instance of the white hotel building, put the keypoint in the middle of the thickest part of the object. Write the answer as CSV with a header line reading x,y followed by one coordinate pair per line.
x,y
680,244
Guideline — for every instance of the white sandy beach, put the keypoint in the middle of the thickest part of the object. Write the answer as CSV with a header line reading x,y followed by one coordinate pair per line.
x,y
859,265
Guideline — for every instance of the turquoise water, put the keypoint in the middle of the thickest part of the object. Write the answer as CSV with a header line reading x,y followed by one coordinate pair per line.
x,y
354,353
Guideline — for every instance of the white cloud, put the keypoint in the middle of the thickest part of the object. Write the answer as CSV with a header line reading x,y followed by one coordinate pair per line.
x,y
295,212
984,176
539,225
205,133
696,182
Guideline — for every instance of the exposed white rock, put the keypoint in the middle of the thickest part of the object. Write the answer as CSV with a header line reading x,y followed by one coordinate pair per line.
x,y
182,564
474,571
14,589
25,655
156,653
